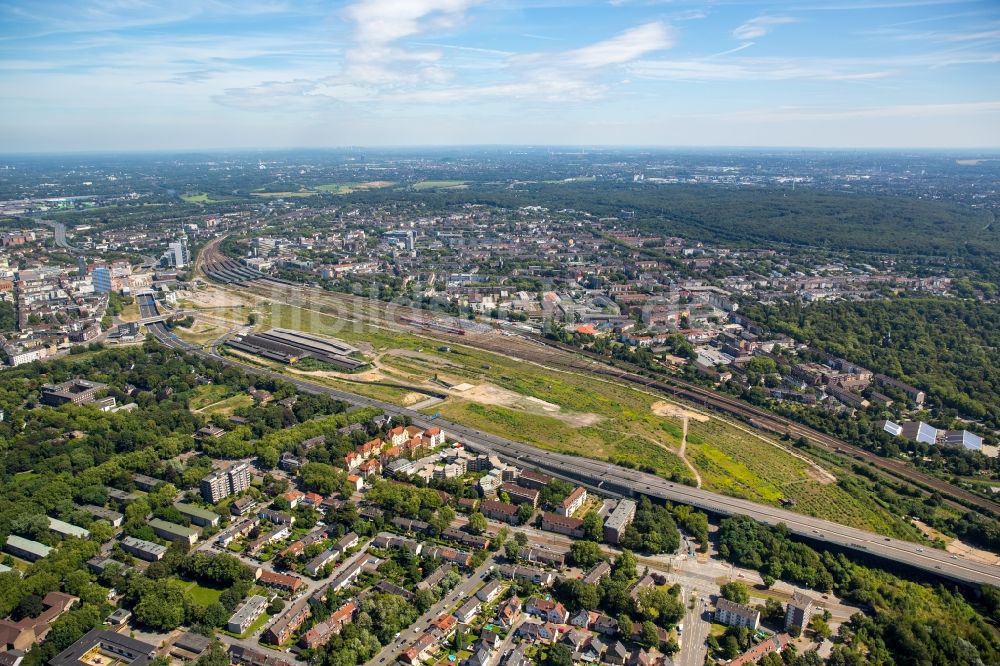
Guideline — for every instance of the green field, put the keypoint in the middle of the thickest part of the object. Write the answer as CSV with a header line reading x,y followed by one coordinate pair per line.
x,y
200,594
198,197
439,185
347,188
284,195
206,395
730,459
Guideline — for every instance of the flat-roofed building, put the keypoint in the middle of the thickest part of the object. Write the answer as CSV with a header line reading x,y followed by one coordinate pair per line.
x,y
65,529
222,483
99,646
244,656
198,516
619,520
76,391
144,550
798,612
189,646
145,483
247,614
173,531
26,549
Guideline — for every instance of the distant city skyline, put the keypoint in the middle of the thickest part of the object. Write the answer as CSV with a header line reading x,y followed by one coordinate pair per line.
x,y
186,75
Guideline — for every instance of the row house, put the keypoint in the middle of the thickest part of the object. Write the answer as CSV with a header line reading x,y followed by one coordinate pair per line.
x,y
450,555
466,539
521,495
554,522
435,577
499,511
322,632
286,625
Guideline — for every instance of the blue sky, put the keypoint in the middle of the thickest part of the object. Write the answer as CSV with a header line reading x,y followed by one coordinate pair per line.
x,y
137,74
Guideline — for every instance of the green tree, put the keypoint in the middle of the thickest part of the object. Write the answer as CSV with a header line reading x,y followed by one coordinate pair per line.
x,y
216,615
593,526
648,635
585,554
477,523
736,591
624,568
559,655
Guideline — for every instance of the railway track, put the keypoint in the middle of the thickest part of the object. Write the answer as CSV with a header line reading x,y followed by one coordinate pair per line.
x,y
615,480
564,357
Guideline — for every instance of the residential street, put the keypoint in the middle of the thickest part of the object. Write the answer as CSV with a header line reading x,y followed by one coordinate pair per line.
x,y
460,593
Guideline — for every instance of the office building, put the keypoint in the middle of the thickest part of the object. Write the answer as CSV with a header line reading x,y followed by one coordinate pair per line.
x,y
101,277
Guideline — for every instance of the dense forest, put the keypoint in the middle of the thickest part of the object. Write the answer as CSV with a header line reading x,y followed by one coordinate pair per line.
x,y
947,347
907,623
730,215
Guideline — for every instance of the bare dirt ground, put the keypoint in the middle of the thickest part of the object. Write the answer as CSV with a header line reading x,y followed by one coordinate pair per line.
x,y
211,297
958,547
489,394
681,452
670,409
413,398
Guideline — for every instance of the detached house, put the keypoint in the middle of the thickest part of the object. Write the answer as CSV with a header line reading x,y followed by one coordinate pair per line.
x,y
546,609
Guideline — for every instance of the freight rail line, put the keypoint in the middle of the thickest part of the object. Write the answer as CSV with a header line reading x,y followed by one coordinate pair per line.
x,y
620,481
563,357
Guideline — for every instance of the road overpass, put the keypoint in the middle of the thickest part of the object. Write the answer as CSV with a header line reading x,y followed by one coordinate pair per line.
x,y
615,480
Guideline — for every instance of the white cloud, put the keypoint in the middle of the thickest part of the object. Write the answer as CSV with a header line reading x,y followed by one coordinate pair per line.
x,y
380,22
755,69
629,45
758,27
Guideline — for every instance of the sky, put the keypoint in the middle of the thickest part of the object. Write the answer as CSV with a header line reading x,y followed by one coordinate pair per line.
x,y
116,75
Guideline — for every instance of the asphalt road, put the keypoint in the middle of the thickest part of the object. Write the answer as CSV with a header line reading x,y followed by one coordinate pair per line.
x,y
615,480
469,585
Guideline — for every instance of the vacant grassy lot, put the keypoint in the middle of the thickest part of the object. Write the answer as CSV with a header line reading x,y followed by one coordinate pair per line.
x,y
200,594
439,184
208,394
730,460
347,188
228,406
198,197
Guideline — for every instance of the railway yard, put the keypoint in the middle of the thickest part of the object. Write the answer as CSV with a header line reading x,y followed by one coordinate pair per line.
x,y
602,476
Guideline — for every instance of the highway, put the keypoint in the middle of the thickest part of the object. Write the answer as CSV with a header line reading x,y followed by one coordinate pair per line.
x,y
614,480
550,353
59,229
